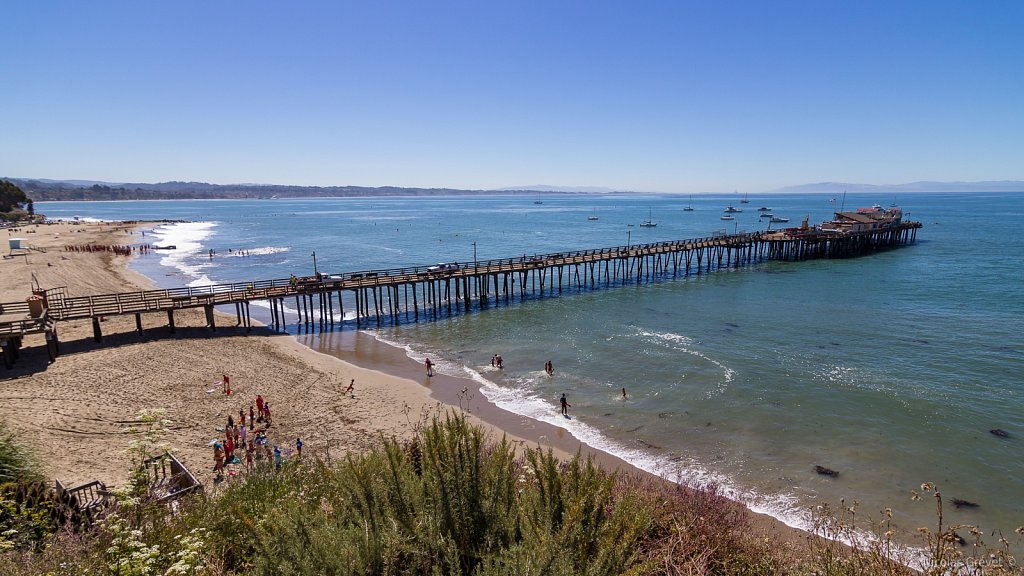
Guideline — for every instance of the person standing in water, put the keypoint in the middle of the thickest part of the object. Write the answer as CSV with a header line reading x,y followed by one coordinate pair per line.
x,y
565,405
430,367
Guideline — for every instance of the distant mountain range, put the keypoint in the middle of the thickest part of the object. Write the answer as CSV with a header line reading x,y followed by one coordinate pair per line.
x,y
924,186
566,189
40,189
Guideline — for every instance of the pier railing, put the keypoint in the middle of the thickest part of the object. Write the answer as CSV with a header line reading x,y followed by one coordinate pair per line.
x,y
386,292
73,307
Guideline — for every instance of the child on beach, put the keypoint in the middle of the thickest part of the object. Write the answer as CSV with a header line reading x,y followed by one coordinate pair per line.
x,y
351,388
430,367
298,446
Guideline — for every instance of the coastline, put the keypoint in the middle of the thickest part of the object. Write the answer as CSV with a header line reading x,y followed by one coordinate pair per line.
x,y
94,390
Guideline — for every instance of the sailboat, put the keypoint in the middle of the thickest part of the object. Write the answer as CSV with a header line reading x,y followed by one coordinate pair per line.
x,y
690,207
649,223
745,200
593,216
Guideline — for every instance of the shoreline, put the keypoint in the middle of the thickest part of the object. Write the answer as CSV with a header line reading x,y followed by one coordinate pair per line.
x,y
392,384
448,390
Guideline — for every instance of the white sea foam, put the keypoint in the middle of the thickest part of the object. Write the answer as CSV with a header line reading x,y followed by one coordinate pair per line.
x,y
80,219
243,252
187,239
683,344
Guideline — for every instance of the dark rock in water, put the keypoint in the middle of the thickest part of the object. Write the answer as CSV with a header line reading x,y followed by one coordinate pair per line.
x,y
826,471
1000,432
731,325
963,503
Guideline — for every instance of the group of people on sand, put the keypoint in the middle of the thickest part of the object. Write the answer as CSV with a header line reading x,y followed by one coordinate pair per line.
x,y
115,248
245,440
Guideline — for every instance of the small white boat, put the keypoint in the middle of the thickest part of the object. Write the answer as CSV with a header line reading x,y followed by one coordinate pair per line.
x,y
779,219
649,223
731,210
766,215
689,208
728,218
764,209
592,216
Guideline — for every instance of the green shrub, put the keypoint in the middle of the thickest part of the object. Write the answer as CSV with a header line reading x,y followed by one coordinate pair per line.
x,y
16,460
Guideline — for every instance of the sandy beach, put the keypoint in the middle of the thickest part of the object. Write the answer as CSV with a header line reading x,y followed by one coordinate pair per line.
x,y
75,410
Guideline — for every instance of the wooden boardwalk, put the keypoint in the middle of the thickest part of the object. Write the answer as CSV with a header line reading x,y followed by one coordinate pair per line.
x,y
430,292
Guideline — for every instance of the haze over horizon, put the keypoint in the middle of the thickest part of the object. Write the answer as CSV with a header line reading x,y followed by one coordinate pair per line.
x,y
657,97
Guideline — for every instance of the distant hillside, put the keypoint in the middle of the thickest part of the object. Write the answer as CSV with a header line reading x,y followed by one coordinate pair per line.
x,y
568,189
41,190
840,187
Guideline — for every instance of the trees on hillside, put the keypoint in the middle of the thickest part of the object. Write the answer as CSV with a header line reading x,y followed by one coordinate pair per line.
x,y
12,197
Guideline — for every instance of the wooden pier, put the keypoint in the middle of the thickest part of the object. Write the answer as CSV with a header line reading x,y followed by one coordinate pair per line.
x,y
431,292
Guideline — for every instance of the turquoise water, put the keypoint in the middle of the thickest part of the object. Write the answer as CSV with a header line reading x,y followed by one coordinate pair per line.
x,y
890,368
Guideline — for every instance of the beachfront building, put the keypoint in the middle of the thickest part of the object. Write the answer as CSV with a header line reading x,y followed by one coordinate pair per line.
x,y
865,220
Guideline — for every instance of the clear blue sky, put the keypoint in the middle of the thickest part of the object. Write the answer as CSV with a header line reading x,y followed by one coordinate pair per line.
x,y
673,96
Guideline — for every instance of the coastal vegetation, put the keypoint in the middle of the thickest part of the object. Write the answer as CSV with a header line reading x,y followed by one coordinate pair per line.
x,y
49,190
14,203
453,501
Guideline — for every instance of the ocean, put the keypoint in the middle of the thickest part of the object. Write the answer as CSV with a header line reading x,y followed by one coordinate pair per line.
x,y
890,369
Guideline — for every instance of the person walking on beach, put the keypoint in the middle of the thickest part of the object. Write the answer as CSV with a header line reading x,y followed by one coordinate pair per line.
x,y
259,407
565,405
252,418
218,461
494,360
298,446
351,388
430,367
